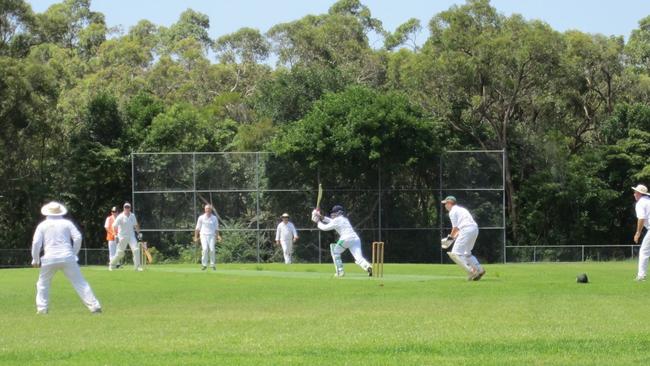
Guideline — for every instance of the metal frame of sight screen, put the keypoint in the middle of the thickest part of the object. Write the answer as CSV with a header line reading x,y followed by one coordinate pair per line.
x,y
169,190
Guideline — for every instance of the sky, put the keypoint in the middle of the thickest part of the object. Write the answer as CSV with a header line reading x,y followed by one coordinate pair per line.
x,y
609,17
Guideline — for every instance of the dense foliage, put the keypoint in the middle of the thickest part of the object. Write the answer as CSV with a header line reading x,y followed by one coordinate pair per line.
x,y
571,109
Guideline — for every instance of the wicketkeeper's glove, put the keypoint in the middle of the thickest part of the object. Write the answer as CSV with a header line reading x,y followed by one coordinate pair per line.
x,y
447,242
315,215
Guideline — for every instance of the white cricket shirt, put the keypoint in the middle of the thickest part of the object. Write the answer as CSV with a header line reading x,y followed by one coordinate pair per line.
x,y
342,226
208,225
285,232
642,209
60,240
125,225
461,218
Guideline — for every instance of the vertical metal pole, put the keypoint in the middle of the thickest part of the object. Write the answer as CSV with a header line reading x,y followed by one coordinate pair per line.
x,y
257,201
583,253
440,209
503,201
194,210
320,248
379,192
132,182
535,254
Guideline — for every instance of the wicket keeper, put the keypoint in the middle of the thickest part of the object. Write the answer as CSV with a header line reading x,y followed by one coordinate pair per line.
x,y
464,233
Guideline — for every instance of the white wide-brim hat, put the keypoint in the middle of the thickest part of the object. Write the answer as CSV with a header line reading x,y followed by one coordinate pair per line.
x,y
54,209
641,189
285,215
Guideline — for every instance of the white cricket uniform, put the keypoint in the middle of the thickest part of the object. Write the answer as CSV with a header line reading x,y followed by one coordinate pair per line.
x,y
112,244
642,209
125,227
285,233
208,227
61,242
467,235
348,239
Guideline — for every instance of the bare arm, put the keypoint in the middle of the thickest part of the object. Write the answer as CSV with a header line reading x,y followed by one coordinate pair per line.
x,y
454,232
639,228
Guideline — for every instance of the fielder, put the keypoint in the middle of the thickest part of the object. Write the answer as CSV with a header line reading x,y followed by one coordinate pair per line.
x,y
348,238
642,209
54,235
207,226
463,233
286,235
126,226
110,233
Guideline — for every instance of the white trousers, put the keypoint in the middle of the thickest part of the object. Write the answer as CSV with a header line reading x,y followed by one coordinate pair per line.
x,y
287,250
121,247
644,254
463,249
355,249
112,249
208,250
72,272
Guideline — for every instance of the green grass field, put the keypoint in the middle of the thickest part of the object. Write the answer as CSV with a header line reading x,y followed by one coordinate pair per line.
x,y
272,314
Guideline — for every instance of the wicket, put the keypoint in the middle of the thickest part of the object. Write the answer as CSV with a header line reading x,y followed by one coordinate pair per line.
x,y
143,257
378,259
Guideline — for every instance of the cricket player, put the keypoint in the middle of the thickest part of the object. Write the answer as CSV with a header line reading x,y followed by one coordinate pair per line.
x,y
110,233
207,226
61,242
642,209
348,238
286,235
464,232
126,225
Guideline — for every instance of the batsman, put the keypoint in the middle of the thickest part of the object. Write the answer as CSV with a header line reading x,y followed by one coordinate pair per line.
x,y
348,238
463,237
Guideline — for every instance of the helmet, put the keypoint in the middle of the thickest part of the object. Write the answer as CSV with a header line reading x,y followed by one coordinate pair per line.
x,y
337,210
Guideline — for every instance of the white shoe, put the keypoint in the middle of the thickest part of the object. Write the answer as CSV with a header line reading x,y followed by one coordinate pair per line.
x,y
640,278
339,274
139,269
479,275
41,312
96,311
110,268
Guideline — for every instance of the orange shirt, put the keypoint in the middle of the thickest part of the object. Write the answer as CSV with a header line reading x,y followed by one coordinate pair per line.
x,y
108,225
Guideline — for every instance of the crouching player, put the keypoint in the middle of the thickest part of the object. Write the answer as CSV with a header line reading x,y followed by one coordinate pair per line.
x,y
464,233
348,238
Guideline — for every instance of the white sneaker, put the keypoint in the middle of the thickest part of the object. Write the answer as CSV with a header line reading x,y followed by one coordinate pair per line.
x,y
96,311
339,274
139,269
640,278
41,312
110,268
479,275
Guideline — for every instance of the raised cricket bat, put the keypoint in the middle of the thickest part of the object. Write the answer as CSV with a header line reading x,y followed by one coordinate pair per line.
x,y
320,196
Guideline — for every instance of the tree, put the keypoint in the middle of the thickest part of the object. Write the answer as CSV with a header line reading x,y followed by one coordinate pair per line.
x,y
495,71
16,17
191,24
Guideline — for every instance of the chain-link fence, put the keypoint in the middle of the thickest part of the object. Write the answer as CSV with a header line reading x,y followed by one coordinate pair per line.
x,y
251,190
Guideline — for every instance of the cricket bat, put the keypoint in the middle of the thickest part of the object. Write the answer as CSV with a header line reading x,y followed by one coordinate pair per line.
x,y
320,196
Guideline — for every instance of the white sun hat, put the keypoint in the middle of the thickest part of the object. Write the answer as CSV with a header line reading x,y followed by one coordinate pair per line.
x,y
54,209
641,189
